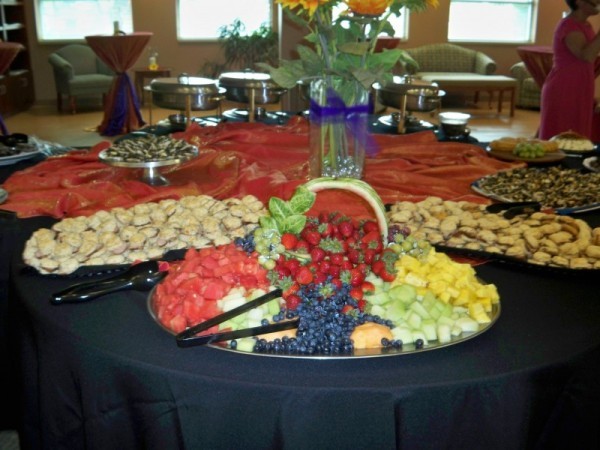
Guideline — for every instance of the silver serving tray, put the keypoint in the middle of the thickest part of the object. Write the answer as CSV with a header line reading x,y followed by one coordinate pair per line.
x,y
150,176
407,349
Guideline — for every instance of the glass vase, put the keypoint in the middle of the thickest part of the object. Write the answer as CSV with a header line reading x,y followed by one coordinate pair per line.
x,y
338,115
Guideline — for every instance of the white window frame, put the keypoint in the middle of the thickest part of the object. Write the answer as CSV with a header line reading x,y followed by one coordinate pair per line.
x,y
99,19
207,10
479,22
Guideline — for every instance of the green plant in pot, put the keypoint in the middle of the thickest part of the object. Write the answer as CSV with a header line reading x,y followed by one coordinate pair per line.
x,y
242,51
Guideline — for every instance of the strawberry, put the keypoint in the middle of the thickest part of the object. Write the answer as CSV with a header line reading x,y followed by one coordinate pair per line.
x,y
324,266
317,254
302,246
346,265
313,237
336,283
379,268
337,259
292,301
292,265
362,303
334,270
354,256
347,309
356,293
289,287
372,240
368,287
346,228
369,226
326,229
320,277
304,275
369,256
356,277
289,241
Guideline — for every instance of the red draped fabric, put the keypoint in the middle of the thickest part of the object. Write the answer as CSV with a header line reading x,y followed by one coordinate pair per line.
x,y
8,52
120,52
237,159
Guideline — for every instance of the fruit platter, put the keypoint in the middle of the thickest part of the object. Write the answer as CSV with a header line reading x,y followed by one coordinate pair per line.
x,y
355,288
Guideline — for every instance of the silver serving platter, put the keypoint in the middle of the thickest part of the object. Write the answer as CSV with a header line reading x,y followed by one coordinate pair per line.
x,y
476,186
150,175
407,349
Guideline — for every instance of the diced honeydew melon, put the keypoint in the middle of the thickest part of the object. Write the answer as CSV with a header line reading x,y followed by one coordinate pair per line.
x,y
403,334
256,293
420,310
380,298
378,310
232,302
404,293
245,344
455,330
435,313
253,323
429,328
256,314
467,325
395,311
273,307
443,333
443,320
414,320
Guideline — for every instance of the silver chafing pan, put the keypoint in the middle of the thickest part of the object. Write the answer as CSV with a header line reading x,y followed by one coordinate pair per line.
x,y
175,93
250,87
421,96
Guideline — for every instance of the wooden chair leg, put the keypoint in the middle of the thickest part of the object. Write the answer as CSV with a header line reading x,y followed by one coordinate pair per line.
x,y
72,104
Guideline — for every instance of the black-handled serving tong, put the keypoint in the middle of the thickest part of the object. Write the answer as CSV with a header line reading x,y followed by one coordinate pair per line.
x,y
189,337
140,277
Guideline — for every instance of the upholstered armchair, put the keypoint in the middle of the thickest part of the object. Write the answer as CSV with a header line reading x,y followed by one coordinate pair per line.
x,y
79,72
528,91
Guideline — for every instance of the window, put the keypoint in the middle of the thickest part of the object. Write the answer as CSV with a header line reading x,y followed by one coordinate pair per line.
x,y
202,19
510,21
399,23
65,20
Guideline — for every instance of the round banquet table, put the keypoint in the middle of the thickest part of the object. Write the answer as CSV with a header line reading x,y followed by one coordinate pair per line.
x,y
538,60
103,374
120,52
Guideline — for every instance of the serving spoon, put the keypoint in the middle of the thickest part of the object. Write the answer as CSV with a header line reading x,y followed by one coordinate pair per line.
x,y
140,277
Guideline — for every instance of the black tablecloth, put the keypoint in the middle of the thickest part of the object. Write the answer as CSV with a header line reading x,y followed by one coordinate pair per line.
x,y
104,375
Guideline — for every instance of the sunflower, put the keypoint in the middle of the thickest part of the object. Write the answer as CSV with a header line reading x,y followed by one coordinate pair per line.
x,y
310,6
368,7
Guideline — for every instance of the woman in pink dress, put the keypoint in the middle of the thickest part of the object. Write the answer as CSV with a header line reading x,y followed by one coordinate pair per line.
x,y
568,92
